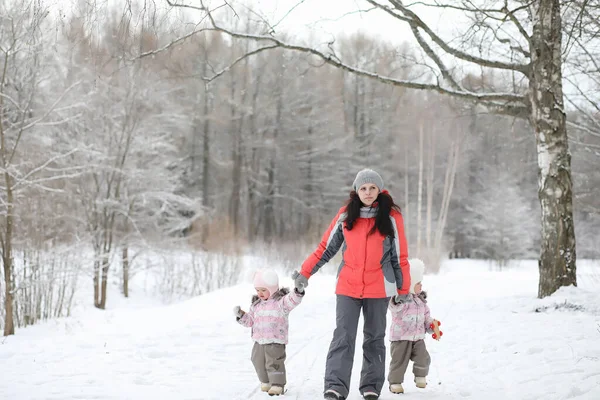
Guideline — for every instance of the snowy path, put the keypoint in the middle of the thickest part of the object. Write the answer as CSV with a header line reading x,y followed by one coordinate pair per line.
x,y
495,346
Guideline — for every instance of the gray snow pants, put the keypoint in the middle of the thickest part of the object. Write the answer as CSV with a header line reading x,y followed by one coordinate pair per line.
x,y
403,351
340,358
269,362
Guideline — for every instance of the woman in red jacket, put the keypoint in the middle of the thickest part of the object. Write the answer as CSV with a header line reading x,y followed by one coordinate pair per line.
x,y
374,267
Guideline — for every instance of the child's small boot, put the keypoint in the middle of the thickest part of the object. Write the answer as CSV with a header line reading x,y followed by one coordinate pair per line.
x,y
264,387
396,388
420,381
275,390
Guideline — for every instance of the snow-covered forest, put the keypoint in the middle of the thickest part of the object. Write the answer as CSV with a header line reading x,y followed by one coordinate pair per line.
x,y
129,129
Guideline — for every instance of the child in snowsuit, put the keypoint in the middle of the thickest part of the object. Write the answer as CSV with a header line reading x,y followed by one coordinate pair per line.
x,y
268,318
410,321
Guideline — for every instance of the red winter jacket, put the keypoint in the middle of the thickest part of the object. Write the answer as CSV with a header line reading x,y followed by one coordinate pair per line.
x,y
373,266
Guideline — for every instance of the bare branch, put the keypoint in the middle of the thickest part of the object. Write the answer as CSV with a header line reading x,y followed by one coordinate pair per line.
x,y
50,109
583,129
359,11
170,44
38,183
592,59
580,143
330,59
437,4
231,8
14,102
593,104
579,18
390,11
429,51
511,110
201,8
413,19
230,66
60,122
42,166
513,18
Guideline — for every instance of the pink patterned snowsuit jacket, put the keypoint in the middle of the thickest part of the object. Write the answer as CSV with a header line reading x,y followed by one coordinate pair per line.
x,y
269,319
410,319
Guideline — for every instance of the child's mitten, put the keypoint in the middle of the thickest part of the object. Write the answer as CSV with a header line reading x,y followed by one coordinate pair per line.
x,y
401,298
238,312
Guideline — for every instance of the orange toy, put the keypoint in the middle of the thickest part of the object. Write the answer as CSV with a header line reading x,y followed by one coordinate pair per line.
x,y
435,325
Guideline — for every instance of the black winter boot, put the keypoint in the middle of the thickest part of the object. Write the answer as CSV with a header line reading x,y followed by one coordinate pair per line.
x,y
333,395
370,396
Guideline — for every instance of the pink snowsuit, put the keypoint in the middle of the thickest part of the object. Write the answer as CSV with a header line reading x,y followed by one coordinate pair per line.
x,y
269,319
410,320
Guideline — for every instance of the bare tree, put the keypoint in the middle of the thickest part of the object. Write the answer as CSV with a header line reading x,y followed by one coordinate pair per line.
x,y
128,193
420,190
23,109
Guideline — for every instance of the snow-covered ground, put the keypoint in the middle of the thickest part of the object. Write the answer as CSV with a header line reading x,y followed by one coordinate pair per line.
x,y
499,342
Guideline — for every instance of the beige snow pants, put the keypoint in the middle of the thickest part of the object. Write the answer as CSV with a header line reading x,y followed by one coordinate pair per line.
x,y
269,362
402,351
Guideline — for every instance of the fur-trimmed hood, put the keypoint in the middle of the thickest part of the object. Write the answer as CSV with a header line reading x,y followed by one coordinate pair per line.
x,y
275,296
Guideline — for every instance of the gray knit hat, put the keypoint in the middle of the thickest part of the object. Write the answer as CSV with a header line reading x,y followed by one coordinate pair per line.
x,y
367,176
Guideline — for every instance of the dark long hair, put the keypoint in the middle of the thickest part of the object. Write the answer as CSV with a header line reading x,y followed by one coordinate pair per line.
x,y
385,204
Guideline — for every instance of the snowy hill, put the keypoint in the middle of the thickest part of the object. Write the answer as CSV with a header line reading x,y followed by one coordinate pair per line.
x,y
495,344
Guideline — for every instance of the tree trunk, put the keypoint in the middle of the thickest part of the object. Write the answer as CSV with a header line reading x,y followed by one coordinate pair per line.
x,y
464,244
105,265
269,206
9,323
125,261
360,119
355,119
195,135
7,261
420,191
206,155
97,279
557,256
308,188
236,182
252,168
430,177
269,202
434,255
345,106
234,200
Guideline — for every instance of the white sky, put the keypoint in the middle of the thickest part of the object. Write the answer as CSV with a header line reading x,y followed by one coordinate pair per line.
x,y
326,19
317,18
